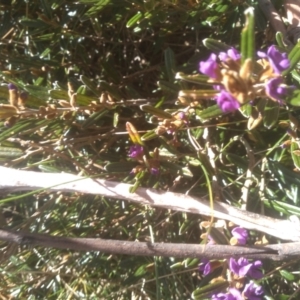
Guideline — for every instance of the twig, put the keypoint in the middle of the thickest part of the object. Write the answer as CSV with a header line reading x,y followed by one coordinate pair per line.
x,y
274,252
17,180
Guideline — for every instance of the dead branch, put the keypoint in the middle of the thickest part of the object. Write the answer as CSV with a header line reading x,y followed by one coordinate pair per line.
x,y
17,180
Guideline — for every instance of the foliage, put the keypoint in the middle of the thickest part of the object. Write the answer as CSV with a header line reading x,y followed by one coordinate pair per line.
x,y
92,78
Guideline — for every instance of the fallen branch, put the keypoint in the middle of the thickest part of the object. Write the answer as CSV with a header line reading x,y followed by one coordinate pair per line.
x,y
274,252
18,180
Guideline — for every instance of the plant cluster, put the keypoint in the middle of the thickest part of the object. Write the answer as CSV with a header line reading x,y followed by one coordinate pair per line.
x,y
114,91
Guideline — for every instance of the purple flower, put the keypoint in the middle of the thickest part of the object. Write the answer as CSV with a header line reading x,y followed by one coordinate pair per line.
x,y
276,89
278,61
11,86
210,67
253,291
227,102
205,266
182,115
135,151
233,294
154,171
232,53
243,267
240,234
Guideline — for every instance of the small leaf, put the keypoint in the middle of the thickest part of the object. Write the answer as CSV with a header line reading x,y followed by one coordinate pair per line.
x,y
287,275
168,87
91,85
95,117
120,167
198,94
208,290
198,79
294,58
110,89
218,236
133,134
133,20
271,113
246,110
155,111
280,40
10,152
248,37
185,226
170,63
215,45
295,154
209,113
295,101
116,119
149,136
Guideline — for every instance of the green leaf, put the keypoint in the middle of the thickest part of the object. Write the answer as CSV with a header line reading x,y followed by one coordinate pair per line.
x,y
94,118
218,236
133,20
168,87
248,38
198,79
155,111
21,126
215,45
111,89
295,152
209,113
246,110
150,135
63,95
280,40
287,275
116,119
294,58
295,100
208,290
271,113
283,207
91,85
170,63
120,167
10,152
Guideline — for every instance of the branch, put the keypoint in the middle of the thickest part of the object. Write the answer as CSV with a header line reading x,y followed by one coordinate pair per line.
x,y
274,252
17,180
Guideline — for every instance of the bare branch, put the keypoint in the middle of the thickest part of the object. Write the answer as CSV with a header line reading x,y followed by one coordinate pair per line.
x,y
18,180
274,252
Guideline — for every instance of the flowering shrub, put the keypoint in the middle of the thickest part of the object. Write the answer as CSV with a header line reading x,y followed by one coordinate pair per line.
x,y
239,271
238,83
